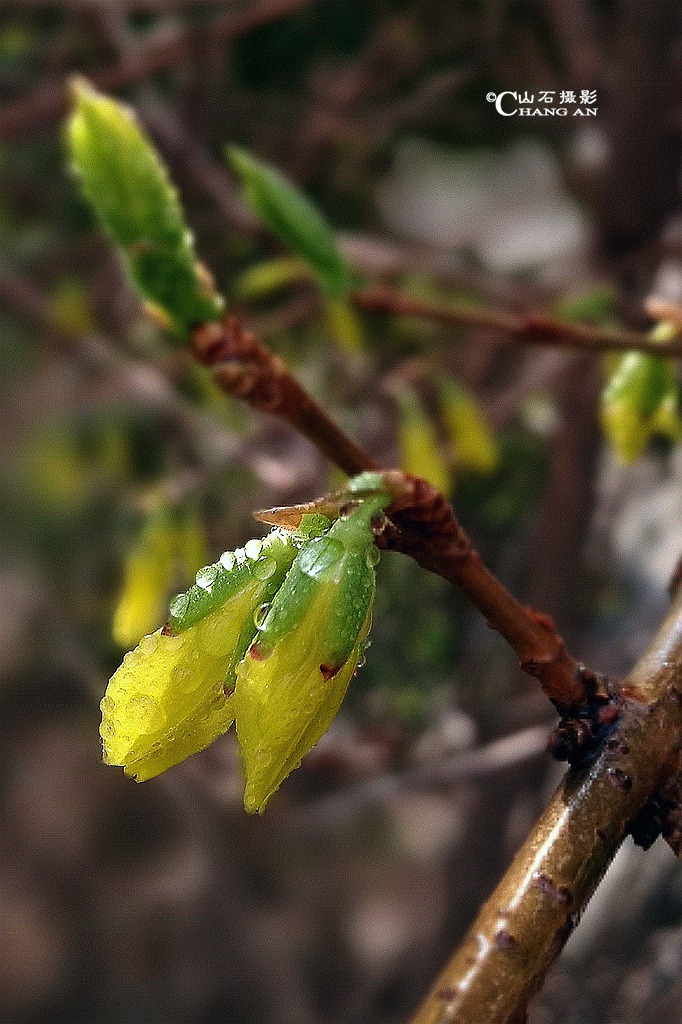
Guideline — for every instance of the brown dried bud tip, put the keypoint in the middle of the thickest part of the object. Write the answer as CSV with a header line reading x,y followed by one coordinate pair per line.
x,y
421,513
581,732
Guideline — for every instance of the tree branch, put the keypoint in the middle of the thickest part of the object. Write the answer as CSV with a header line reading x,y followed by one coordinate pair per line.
x,y
535,329
48,103
245,368
524,925
421,522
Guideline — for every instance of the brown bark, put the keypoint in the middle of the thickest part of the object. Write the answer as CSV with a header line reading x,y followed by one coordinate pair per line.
x,y
522,928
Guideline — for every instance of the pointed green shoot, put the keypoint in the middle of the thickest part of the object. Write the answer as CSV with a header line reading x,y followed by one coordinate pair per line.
x,y
640,400
294,677
293,218
129,189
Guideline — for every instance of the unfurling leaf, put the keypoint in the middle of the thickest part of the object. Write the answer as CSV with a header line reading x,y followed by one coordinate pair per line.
x,y
294,676
473,442
128,187
344,325
418,443
171,547
262,279
293,218
641,400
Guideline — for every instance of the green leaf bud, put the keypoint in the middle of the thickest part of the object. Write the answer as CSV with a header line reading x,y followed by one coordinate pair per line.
x,y
293,218
641,385
292,681
418,445
170,547
172,695
344,325
128,187
473,442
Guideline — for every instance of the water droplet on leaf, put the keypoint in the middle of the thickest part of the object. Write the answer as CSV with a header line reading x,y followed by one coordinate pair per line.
x,y
227,560
260,615
265,568
206,577
253,548
179,605
319,556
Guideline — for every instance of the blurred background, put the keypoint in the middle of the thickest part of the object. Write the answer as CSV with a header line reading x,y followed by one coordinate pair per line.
x,y
124,470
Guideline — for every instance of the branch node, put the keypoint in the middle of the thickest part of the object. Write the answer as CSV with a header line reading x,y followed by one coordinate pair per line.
x,y
584,729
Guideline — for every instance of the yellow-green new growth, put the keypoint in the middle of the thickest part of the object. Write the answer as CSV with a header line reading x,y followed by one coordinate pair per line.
x,y
168,699
472,440
293,218
642,400
295,675
170,547
418,444
172,695
270,636
128,187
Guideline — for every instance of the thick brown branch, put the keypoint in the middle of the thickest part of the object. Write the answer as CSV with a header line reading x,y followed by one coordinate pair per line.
x,y
245,368
524,925
536,329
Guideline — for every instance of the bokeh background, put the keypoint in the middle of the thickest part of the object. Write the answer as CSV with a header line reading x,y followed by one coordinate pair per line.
x,y
165,902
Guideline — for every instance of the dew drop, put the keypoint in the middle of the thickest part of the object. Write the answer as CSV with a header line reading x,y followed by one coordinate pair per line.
x,y
227,560
260,615
361,661
206,577
152,644
253,548
147,712
179,605
184,679
320,555
265,568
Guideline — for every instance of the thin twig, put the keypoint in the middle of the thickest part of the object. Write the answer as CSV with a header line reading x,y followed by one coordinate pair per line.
x,y
49,103
245,368
534,329
423,524
524,925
